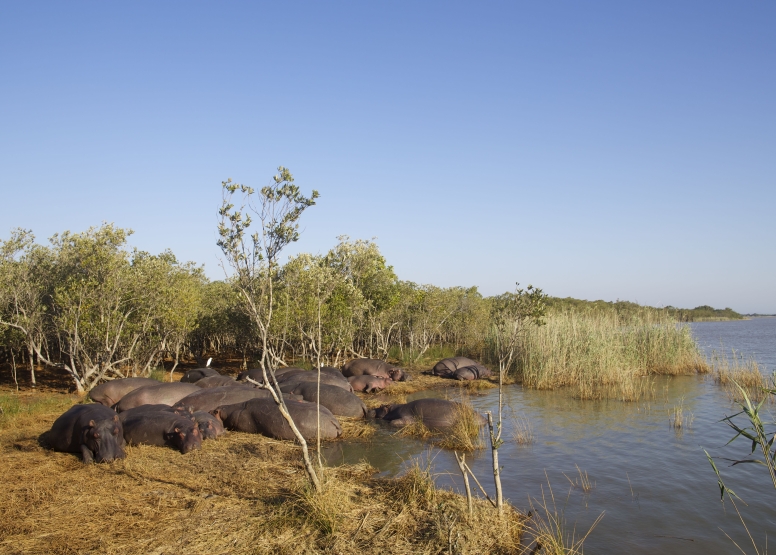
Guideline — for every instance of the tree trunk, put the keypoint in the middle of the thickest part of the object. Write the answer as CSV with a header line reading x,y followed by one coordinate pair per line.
x,y
495,443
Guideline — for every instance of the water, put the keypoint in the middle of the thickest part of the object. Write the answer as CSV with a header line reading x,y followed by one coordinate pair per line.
x,y
653,483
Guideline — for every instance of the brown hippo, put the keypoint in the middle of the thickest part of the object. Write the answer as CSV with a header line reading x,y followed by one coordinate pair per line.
x,y
446,368
162,394
262,416
369,384
211,398
217,381
152,427
336,399
256,374
92,430
373,367
473,372
209,426
436,414
110,393
312,376
197,374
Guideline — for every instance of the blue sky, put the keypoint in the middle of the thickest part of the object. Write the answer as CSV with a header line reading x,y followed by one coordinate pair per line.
x,y
599,150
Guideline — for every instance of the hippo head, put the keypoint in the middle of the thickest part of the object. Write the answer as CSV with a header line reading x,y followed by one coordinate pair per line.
x,y
185,412
397,374
105,439
380,412
208,430
186,438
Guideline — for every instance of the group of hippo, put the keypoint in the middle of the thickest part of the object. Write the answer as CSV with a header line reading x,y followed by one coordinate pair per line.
x,y
205,403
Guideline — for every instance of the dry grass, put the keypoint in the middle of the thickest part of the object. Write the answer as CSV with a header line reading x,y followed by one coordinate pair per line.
x,y
581,481
603,355
727,371
467,434
419,382
679,417
522,429
240,494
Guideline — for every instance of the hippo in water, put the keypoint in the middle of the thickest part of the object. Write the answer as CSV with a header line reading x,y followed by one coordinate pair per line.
x,y
211,398
92,430
162,393
110,393
373,367
152,427
369,384
262,416
197,374
437,414
336,399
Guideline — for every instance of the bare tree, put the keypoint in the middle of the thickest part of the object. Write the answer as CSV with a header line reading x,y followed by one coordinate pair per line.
x,y
253,261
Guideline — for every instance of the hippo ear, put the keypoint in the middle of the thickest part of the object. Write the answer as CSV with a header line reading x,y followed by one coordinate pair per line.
x,y
177,430
92,424
115,430
116,418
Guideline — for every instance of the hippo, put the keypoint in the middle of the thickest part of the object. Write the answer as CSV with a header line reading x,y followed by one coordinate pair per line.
x,y
336,399
369,384
256,374
93,430
209,426
162,428
373,367
211,398
186,412
197,374
162,393
305,376
437,414
110,393
446,368
473,372
262,416
217,381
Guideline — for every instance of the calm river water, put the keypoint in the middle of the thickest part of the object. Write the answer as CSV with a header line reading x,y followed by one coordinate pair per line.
x,y
654,485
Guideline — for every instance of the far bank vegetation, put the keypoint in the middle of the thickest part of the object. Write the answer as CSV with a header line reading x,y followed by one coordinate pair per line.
x,y
91,307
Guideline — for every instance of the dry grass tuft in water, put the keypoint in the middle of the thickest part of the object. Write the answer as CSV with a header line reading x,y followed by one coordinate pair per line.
x,y
467,434
727,371
522,429
241,494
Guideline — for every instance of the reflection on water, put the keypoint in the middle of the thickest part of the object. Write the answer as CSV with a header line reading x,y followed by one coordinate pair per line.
x,y
653,482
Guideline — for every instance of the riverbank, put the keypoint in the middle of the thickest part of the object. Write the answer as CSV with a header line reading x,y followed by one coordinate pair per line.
x,y
243,493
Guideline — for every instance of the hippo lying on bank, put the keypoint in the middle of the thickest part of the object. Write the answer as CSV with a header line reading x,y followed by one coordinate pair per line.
x,y
437,414
192,376
92,430
162,428
336,399
217,381
256,374
262,416
373,367
209,426
160,394
460,368
110,393
211,398
369,384
312,376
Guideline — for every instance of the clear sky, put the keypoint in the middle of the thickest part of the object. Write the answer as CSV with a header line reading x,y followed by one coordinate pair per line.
x,y
599,150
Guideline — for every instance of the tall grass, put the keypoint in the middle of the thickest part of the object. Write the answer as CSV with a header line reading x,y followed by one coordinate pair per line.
x,y
606,355
737,374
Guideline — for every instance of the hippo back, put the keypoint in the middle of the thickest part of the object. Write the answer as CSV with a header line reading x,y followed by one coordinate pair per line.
x,y
192,376
337,400
111,392
161,394
262,416
217,381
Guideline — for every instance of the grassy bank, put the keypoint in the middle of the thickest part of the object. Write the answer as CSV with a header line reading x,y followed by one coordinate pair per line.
x,y
603,354
240,494
734,371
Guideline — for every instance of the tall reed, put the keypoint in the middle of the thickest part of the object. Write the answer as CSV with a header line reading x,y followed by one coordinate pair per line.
x,y
605,354
737,374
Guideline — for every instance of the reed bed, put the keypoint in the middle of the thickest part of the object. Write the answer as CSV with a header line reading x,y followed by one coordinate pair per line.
x,y
727,371
241,494
599,355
